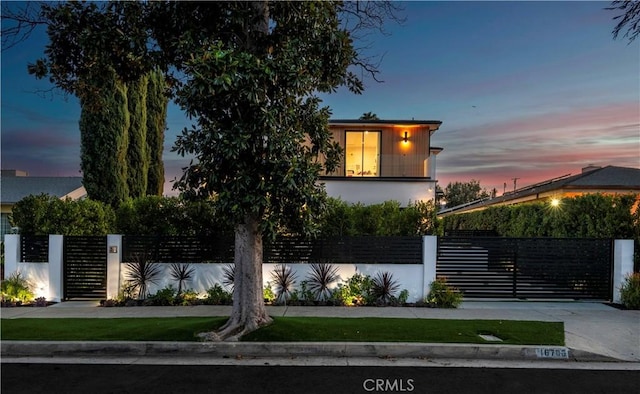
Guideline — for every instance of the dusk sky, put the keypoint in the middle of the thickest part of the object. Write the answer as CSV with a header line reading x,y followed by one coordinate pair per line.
x,y
531,90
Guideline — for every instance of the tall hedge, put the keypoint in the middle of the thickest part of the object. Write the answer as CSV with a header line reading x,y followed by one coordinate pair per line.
x,y
138,157
104,139
155,215
385,219
587,216
44,214
156,124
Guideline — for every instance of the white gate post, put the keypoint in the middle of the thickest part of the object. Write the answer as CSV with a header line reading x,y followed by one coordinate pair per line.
x,y
429,258
114,257
11,254
56,270
622,265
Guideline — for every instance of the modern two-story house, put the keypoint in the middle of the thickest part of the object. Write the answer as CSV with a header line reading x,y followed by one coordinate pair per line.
x,y
384,160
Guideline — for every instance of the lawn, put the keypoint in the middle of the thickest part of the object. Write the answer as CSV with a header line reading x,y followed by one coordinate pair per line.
x,y
288,329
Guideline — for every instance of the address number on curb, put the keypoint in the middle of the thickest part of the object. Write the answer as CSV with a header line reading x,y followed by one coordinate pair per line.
x,y
552,352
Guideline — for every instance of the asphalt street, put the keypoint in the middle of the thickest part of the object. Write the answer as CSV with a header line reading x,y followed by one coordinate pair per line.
x,y
124,378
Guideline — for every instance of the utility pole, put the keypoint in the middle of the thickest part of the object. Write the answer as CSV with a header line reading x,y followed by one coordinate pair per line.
x,y
515,181
504,189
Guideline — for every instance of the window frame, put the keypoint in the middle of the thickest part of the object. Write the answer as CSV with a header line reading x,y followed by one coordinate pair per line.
x,y
378,154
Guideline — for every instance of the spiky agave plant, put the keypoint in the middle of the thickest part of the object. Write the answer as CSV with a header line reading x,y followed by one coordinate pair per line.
x,y
228,275
319,279
182,273
284,279
141,272
384,287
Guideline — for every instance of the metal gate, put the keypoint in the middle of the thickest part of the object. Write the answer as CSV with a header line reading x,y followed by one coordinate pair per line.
x,y
496,267
85,267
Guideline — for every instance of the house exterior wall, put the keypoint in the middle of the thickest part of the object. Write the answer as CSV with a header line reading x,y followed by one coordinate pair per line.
x,y
377,190
397,158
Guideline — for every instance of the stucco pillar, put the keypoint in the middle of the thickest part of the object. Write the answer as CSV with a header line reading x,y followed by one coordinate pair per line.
x,y
114,258
11,253
429,258
56,268
622,265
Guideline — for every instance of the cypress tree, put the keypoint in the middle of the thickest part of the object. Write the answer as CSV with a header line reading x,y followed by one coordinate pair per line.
x,y
157,101
104,141
137,153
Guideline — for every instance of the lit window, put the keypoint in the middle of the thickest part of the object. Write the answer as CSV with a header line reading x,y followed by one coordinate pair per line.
x,y
362,153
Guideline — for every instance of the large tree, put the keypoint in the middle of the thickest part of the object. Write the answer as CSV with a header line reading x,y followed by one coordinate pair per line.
x,y
260,129
104,138
157,101
247,74
457,193
84,36
138,157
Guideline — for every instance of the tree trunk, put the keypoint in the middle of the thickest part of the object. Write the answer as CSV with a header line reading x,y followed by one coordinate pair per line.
x,y
248,313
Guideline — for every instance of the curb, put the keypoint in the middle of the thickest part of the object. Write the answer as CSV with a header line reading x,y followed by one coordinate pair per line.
x,y
296,349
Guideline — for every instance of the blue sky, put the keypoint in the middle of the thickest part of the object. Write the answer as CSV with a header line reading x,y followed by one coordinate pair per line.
x,y
531,90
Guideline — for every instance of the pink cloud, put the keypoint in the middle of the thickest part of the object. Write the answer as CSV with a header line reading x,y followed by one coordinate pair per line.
x,y
539,147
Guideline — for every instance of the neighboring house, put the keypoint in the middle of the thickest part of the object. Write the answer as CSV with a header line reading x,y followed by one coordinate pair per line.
x,y
605,180
384,160
15,185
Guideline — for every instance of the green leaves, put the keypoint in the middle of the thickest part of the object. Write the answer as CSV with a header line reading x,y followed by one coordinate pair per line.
x,y
587,216
247,73
45,214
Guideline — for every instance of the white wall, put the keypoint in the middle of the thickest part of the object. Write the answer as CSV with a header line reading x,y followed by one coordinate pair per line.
x,y
408,276
413,277
376,191
47,281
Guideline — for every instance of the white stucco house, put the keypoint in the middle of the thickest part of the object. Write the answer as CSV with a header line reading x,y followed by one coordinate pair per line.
x,y
384,160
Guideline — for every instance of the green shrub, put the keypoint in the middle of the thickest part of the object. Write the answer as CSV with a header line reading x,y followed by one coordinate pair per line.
x,y
187,298
386,219
357,291
630,291
45,214
303,296
588,216
16,288
164,297
155,215
268,294
403,297
217,295
441,295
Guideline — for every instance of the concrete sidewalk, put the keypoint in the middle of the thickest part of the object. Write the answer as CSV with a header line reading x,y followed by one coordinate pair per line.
x,y
593,332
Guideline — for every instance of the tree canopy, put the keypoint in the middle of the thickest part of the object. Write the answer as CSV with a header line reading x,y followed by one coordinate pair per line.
x,y
458,193
629,19
247,74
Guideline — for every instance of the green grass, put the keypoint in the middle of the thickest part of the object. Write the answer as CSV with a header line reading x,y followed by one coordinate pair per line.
x,y
288,329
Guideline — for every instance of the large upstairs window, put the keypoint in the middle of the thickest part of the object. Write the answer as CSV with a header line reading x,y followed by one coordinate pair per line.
x,y
362,153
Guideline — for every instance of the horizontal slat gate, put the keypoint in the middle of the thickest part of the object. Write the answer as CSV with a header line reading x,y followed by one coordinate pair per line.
x,y
183,249
495,267
85,267
366,249
283,250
